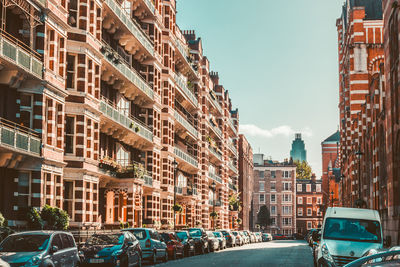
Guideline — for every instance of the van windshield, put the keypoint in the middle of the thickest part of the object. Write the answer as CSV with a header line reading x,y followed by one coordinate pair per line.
x,y
352,230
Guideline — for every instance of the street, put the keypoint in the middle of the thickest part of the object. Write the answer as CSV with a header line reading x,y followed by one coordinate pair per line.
x,y
274,253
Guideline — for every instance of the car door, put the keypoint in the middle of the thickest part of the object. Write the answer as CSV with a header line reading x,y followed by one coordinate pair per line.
x,y
68,250
128,241
135,249
57,256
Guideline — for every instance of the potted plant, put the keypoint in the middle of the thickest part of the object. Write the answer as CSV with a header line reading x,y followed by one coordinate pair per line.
x,y
214,214
177,208
239,221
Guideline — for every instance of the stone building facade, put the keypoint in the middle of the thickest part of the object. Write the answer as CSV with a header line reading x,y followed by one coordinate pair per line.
x,y
246,182
99,100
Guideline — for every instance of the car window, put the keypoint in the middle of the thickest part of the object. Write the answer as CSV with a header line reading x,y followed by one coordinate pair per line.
x,y
182,235
132,237
217,234
71,241
65,241
195,232
140,234
25,243
103,239
154,235
57,241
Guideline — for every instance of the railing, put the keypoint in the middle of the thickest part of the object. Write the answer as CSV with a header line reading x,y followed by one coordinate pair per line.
x,y
185,123
128,22
19,137
233,167
151,6
189,159
215,177
233,148
216,130
124,168
215,153
128,121
230,122
185,54
178,190
218,203
232,186
185,89
130,73
148,180
216,104
210,202
21,54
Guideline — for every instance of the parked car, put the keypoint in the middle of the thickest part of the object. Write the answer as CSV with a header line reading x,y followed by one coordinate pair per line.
x,y
174,245
386,258
309,236
188,243
152,244
39,248
221,239
118,249
266,237
258,236
213,242
253,238
246,239
4,264
347,234
200,239
239,239
314,248
279,237
229,237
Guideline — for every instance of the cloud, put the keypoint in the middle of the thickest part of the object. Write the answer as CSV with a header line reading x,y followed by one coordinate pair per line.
x,y
285,130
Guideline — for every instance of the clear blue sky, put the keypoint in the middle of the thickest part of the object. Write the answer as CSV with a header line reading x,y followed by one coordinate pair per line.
x,y
278,59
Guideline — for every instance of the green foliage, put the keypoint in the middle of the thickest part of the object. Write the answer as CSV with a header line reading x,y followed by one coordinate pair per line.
x,y
2,220
303,170
57,219
177,208
34,220
234,202
4,232
263,216
123,225
214,214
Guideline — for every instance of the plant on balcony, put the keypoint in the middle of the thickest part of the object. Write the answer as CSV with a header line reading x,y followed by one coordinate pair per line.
x,y
2,220
134,127
214,214
177,208
123,225
109,164
239,221
190,86
234,202
139,170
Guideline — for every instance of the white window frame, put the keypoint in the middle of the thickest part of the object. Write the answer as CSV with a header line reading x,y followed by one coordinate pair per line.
x,y
263,201
299,187
309,212
309,200
299,211
263,187
273,189
308,187
309,225
289,186
28,109
273,210
273,201
319,200
318,188
299,200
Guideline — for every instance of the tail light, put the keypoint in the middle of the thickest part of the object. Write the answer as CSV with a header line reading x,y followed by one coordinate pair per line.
x,y
148,243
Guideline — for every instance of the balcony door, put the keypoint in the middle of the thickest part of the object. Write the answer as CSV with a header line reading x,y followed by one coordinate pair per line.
x,y
123,155
123,105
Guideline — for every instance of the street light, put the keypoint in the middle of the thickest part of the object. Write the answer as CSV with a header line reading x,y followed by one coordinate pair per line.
x,y
175,164
359,153
213,187
332,197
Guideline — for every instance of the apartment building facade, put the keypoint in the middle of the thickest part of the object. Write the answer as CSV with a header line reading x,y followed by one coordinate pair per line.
x,y
275,188
246,182
309,204
107,107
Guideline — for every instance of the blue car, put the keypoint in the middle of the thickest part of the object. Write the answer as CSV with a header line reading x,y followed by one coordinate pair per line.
x,y
117,249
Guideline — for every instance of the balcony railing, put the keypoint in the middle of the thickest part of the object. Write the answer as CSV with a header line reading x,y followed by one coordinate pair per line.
x,y
233,148
217,202
230,122
216,104
16,51
19,138
130,73
186,157
128,22
151,6
128,121
233,167
215,153
185,53
186,124
148,180
232,186
216,130
215,177
189,94
179,190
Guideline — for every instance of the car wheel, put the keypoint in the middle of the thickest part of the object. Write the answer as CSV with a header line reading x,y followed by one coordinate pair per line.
x,y
166,256
154,258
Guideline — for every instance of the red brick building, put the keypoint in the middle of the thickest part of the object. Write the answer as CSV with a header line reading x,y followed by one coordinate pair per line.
x,y
308,204
246,179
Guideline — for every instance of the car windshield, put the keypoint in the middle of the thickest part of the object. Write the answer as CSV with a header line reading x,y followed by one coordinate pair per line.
x,y
166,236
25,243
352,230
195,232
182,235
140,234
111,239
210,235
217,234
224,233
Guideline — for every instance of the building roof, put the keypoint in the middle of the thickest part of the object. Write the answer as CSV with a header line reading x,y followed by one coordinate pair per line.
x,y
333,138
373,8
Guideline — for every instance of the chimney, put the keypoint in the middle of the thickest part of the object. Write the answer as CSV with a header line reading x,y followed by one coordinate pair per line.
x,y
313,178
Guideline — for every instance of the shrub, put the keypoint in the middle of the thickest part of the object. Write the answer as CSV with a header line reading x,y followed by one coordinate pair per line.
x,y
34,219
56,219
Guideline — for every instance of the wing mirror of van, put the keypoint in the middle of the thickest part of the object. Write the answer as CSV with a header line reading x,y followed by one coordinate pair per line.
x,y
316,236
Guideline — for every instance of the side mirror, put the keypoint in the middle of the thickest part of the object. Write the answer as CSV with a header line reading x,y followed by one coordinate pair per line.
x,y
54,249
130,244
316,236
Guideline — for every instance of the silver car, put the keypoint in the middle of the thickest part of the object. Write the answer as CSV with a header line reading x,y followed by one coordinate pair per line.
x,y
40,248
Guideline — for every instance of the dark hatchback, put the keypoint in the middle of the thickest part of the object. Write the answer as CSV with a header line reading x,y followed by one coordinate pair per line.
x,y
116,249
200,240
175,247
40,248
188,243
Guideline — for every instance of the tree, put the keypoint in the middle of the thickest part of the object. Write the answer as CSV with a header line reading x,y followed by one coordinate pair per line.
x,y
303,170
263,216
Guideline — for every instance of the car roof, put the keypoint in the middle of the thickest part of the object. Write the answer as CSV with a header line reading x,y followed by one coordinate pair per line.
x,y
364,214
131,229
40,233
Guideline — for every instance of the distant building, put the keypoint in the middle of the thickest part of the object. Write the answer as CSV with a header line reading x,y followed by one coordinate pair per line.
x,y
308,204
298,151
274,187
245,181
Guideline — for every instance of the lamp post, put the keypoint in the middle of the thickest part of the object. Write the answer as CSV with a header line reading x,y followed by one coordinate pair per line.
x,y
213,186
332,198
359,153
175,164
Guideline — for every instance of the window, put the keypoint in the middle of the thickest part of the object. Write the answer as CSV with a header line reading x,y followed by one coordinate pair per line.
x,y
262,198
319,200
273,174
273,210
287,198
308,188
26,110
261,174
71,78
24,189
309,212
299,211
73,11
287,221
319,213
69,135
286,174
287,186
318,188
57,241
69,198
123,156
262,186
273,221
299,187
309,225
273,186
309,200
287,210
273,198
299,200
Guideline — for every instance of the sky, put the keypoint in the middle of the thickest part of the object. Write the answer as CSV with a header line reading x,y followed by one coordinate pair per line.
x,y
278,60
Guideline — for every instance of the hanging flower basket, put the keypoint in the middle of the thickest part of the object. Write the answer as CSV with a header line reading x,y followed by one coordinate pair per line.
x,y
177,208
214,214
239,221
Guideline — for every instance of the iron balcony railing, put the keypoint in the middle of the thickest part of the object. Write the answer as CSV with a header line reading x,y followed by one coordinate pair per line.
x,y
233,167
186,124
215,177
185,53
151,6
131,25
130,73
216,104
189,94
186,157
215,153
217,131
233,148
128,121
178,190
19,138
230,122
148,180
232,186
22,55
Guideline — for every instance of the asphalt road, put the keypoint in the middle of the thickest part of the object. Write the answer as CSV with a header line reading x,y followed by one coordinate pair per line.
x,y
275,253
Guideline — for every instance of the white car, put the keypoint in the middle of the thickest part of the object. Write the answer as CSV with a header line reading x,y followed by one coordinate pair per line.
x,y
347,234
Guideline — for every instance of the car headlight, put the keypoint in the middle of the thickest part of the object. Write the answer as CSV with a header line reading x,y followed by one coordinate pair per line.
x,y
35,261
117,253
325,254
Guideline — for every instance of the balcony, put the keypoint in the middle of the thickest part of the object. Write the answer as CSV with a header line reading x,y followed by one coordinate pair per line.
x,y
215,177
124,169
233,149
127,124
128,73
179,118
232,167
216,130
216,203
214,104
187,162
185,90
215,154
19,138
148,180
16,52
232,187
232,126
184,57
131,25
